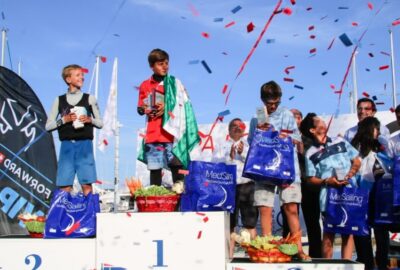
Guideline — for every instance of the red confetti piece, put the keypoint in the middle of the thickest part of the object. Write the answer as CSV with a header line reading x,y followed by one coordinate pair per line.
x,y
288,79
128,214
287,11
313,50
204,34
338,92
85,70
103,59
288,68
311,27
396,22
365,94
312,36
105,142
331,44
99,182
370,6
200,214
242,126
224,89
392,110
193,9
383,67
184,172
205,219
293,2
354,24
332,86
309,8
230,24
250,27
199,234
171,115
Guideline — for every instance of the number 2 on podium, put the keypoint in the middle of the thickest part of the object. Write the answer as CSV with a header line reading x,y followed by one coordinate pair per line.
x,y
160,254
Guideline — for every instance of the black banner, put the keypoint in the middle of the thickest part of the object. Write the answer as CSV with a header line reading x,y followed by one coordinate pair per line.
x,y
28,161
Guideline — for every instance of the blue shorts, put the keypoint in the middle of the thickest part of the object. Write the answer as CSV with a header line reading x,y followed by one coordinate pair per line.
x,y
158,155
76,157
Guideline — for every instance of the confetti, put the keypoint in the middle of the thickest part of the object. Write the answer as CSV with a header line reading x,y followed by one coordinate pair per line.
x,y
311,27
354,24
292,97
242,126
250,27
128,214
345,40
374,98
288,79
224,89
396,22
270,40
371,55
367,69
287,11
343,8
199,234
298,87
331,44
224,53
370,6
200,214
324,17
206,35
218,19
288,68
392,110
383,67
224,113
313,50
160,148
206,66
194,62
85,70
380,103
332,87
336,20
312,36
365,94
293,2
236,9
309,8
205,219
385,53
324,73
206,184
230,24
193,10
103,59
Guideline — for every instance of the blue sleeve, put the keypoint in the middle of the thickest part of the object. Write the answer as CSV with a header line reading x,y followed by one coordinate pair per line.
x,y
310,168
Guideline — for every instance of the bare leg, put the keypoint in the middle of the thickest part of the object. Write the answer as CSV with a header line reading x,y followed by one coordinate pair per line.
x,y
66,188
266,220
347,246
292,216
87,188
327,245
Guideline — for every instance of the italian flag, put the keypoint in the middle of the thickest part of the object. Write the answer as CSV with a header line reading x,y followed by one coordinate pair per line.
x,y
178,120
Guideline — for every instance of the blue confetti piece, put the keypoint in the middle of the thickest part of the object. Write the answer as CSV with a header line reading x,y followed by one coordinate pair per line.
x,y
292,97
224,113
236,9
345,40
194,62
270,40
218,19
374,98
298,87
324,73
336,20
206,66
367,69
343,7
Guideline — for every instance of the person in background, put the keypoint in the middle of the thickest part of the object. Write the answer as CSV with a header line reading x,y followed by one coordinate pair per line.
x,y
394,142
323,159
78,113
372,169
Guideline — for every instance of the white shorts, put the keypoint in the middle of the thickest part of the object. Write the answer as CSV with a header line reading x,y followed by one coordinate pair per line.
x,y
264,194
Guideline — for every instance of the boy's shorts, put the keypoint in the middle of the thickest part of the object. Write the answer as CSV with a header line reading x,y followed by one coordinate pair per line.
x,y
158,155
264,194
76,157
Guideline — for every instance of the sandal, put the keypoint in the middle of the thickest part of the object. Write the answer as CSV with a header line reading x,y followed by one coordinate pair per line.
x,y
303,257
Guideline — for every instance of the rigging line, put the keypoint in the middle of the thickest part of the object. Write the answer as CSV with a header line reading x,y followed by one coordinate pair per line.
x,y
91,79
93,51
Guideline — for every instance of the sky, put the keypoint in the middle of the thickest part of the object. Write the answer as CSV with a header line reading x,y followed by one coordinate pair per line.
x,y
46,35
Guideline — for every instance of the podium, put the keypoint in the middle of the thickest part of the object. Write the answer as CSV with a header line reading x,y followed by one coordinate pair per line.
x,y
172,240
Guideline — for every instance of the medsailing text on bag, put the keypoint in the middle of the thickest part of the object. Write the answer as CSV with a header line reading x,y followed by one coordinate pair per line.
x,y
74,207
219,178
349,199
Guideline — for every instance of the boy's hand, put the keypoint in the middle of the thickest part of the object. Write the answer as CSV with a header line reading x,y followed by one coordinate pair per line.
x,y
160,109
240,147
69,118
233,152
264,126
85,119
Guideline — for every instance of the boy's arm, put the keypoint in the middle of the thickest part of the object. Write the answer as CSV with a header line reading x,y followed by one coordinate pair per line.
x,y
96,119
52,122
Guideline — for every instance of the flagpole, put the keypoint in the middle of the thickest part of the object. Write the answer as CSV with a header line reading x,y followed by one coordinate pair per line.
x,y
355,86
3,45
393,70
96,94
116,156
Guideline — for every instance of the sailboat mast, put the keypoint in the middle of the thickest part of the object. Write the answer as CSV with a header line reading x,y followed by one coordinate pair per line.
x,y
3,45
96,94
116,123
394,94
